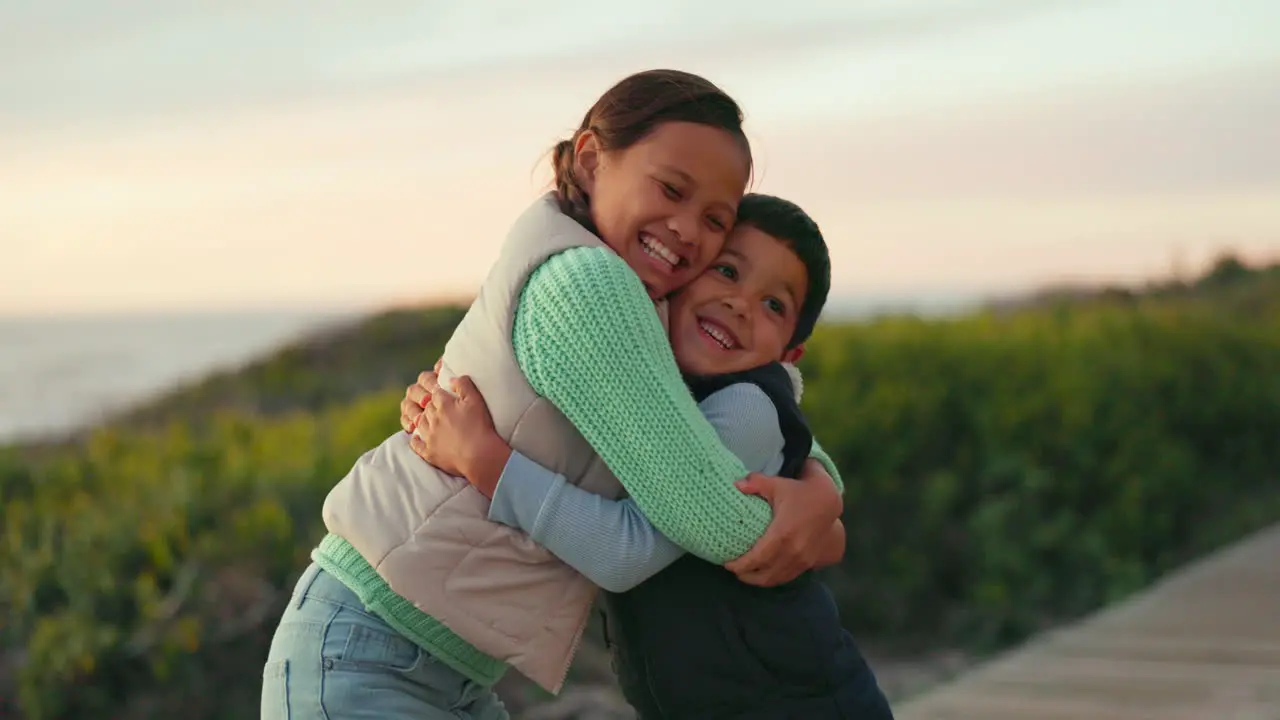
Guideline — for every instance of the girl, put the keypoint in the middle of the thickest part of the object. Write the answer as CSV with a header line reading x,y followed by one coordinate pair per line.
x,y
415,603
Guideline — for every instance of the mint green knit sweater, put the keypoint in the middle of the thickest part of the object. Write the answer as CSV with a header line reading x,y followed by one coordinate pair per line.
x,y
587,339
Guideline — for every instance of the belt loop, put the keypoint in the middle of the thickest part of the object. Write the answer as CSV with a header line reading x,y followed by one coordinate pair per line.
x,y
304,584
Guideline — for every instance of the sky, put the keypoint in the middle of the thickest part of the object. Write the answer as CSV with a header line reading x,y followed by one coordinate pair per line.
x,y
320,154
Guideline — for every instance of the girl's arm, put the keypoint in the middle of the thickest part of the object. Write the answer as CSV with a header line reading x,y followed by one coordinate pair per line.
x,y
587,339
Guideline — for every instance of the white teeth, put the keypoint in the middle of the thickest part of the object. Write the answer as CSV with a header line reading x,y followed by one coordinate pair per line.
x,y
718,335
656,249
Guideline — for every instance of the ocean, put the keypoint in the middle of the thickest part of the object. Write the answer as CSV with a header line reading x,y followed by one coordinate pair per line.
x,y
58,374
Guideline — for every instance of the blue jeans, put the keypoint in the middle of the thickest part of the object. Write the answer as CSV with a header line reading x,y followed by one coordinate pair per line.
x,y
331,659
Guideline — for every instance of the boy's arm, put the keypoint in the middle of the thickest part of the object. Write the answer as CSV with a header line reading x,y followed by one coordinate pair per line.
x,y
610,541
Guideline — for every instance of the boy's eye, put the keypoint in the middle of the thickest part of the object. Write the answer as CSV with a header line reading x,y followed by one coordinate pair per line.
x,y
716,223
671,191
728,271
776,305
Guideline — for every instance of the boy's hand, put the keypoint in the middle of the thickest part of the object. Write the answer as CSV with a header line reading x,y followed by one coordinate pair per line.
x,y
416,397
800,536
455,433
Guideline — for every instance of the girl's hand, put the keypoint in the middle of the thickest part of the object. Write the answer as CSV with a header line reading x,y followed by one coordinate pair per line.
x,y
455,433
805,532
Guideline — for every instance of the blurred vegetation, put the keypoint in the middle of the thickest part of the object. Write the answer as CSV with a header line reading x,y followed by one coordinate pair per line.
x,y
1007,471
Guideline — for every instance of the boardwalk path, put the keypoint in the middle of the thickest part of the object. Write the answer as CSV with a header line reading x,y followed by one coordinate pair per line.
x,y
1204,644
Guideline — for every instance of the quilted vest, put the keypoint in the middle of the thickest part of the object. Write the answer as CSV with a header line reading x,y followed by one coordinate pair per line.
x,y
427,533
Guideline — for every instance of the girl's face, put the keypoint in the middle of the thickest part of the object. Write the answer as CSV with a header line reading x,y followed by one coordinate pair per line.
x,y
666,203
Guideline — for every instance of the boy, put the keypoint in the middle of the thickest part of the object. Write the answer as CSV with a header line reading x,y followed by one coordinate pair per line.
x,y
691,640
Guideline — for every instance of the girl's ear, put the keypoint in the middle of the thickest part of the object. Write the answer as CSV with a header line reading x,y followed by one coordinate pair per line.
x,y
586,160
794,354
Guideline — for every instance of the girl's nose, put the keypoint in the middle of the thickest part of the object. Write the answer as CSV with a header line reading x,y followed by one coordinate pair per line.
x,y
684,228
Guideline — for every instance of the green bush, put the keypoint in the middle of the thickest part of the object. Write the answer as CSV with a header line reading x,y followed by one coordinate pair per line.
x,y
1005,472
159,561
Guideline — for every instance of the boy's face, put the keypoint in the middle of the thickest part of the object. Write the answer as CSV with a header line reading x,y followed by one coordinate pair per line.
x,y
741,312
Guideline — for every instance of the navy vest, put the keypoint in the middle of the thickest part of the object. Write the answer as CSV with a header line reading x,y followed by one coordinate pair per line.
x,y
695,642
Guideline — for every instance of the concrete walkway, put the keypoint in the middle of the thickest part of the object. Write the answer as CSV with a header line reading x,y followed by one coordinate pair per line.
x,y
1203,644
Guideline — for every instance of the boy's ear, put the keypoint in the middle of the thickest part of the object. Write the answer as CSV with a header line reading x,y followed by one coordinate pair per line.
x,y
793,355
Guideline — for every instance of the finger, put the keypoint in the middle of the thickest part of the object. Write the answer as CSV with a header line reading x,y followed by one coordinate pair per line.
x,y
439,364
761,576
419,447
765,486
422,425
463,387
409,408
745,561
429,381
754,577
785,574
757,557
441,401
772,575
416,395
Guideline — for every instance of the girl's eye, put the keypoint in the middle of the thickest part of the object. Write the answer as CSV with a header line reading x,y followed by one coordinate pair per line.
x,y
716,223
776,306
728,271
671,191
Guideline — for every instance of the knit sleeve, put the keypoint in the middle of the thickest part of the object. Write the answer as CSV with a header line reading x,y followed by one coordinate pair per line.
x,y
817,453
588,340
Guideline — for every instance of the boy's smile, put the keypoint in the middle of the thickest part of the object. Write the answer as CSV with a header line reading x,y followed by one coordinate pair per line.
x,y
741,312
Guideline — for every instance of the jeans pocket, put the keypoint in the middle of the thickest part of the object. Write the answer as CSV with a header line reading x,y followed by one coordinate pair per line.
x,y
275,691
359,641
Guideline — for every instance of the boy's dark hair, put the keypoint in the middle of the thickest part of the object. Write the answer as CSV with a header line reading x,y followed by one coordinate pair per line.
x,y
785,221
633,108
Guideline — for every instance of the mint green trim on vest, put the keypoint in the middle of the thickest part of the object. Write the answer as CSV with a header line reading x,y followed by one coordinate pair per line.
x,y
344,562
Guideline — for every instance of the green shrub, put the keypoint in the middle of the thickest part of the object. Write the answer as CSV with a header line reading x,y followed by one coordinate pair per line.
x,y
1005,472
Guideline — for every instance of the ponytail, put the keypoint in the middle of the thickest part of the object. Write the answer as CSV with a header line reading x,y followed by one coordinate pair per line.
x,y
569,193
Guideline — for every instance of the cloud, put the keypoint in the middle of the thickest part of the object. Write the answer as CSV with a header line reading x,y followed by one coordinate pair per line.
x,y
62,61
1201,134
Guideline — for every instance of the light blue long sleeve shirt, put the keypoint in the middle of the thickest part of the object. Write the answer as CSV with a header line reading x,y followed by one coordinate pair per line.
x,y
610,541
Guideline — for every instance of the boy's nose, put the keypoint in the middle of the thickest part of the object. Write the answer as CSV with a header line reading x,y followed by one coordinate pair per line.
x,y
736,303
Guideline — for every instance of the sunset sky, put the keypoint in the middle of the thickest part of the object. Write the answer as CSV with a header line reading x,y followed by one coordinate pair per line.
x,y
335,154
